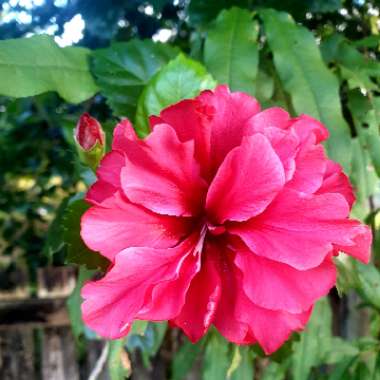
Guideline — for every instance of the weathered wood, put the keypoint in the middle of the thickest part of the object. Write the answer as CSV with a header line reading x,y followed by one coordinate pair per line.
x,y
17,354
55,281
14,285
58,354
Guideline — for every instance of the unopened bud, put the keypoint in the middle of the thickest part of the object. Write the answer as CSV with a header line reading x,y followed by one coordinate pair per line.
x,y
90,139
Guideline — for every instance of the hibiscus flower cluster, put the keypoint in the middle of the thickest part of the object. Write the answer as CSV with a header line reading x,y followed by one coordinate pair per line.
x,y
223,215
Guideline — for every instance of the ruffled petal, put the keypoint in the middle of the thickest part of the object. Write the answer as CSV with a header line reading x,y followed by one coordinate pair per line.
x,y
227,320
274,117
277,286
122,224
123,136
202,299
269,328
309,129
299,229
112,303
360,248
310,169
246,182
229,121
335,181
163,175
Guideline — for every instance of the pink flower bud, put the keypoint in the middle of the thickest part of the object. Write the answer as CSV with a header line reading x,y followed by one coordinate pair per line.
x,y
89,132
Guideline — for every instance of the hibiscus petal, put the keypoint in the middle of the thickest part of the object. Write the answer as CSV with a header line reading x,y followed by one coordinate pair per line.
x,y
163,176
112,303
226,318
108,174
123,135
361,242
299,229
311,166
189,118
269,328
277,286
309,129
247,181
335,181
123,224
201,300
274,117
232,111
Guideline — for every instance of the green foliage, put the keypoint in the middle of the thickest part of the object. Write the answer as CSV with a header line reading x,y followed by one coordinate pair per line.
x,y
77,251
324,63
123,70
181,78
314,90
231,51
31,66
74,302
185,358
118,361
216,360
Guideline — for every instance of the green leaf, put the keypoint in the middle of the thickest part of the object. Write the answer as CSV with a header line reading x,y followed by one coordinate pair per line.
x,y
313,89
354,67
202,12
181,78
231,53
315,341
216,359
118,361
122,71
274,371
369,283
31,66
74,302
54,240
241,367
77,252
184,359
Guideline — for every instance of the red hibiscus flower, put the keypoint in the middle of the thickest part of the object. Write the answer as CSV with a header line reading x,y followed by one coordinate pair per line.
x,y
223,215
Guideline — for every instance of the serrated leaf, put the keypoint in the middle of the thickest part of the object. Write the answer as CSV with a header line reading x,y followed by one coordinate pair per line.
x,y
32,66
315,341
182,78
77,252
216,359
122,71
184,359
231,50
369,283
313,89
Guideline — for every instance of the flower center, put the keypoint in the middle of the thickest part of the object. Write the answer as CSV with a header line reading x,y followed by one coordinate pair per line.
x,y
215,229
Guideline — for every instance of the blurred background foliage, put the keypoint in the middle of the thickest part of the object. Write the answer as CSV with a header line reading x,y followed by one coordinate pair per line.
x,y
131,58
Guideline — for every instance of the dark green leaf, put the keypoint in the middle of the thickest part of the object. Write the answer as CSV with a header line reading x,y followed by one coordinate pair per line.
x,y
77,252
314,90
231,53
31,66
315,342
181,78
184,359
202,12
122,71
